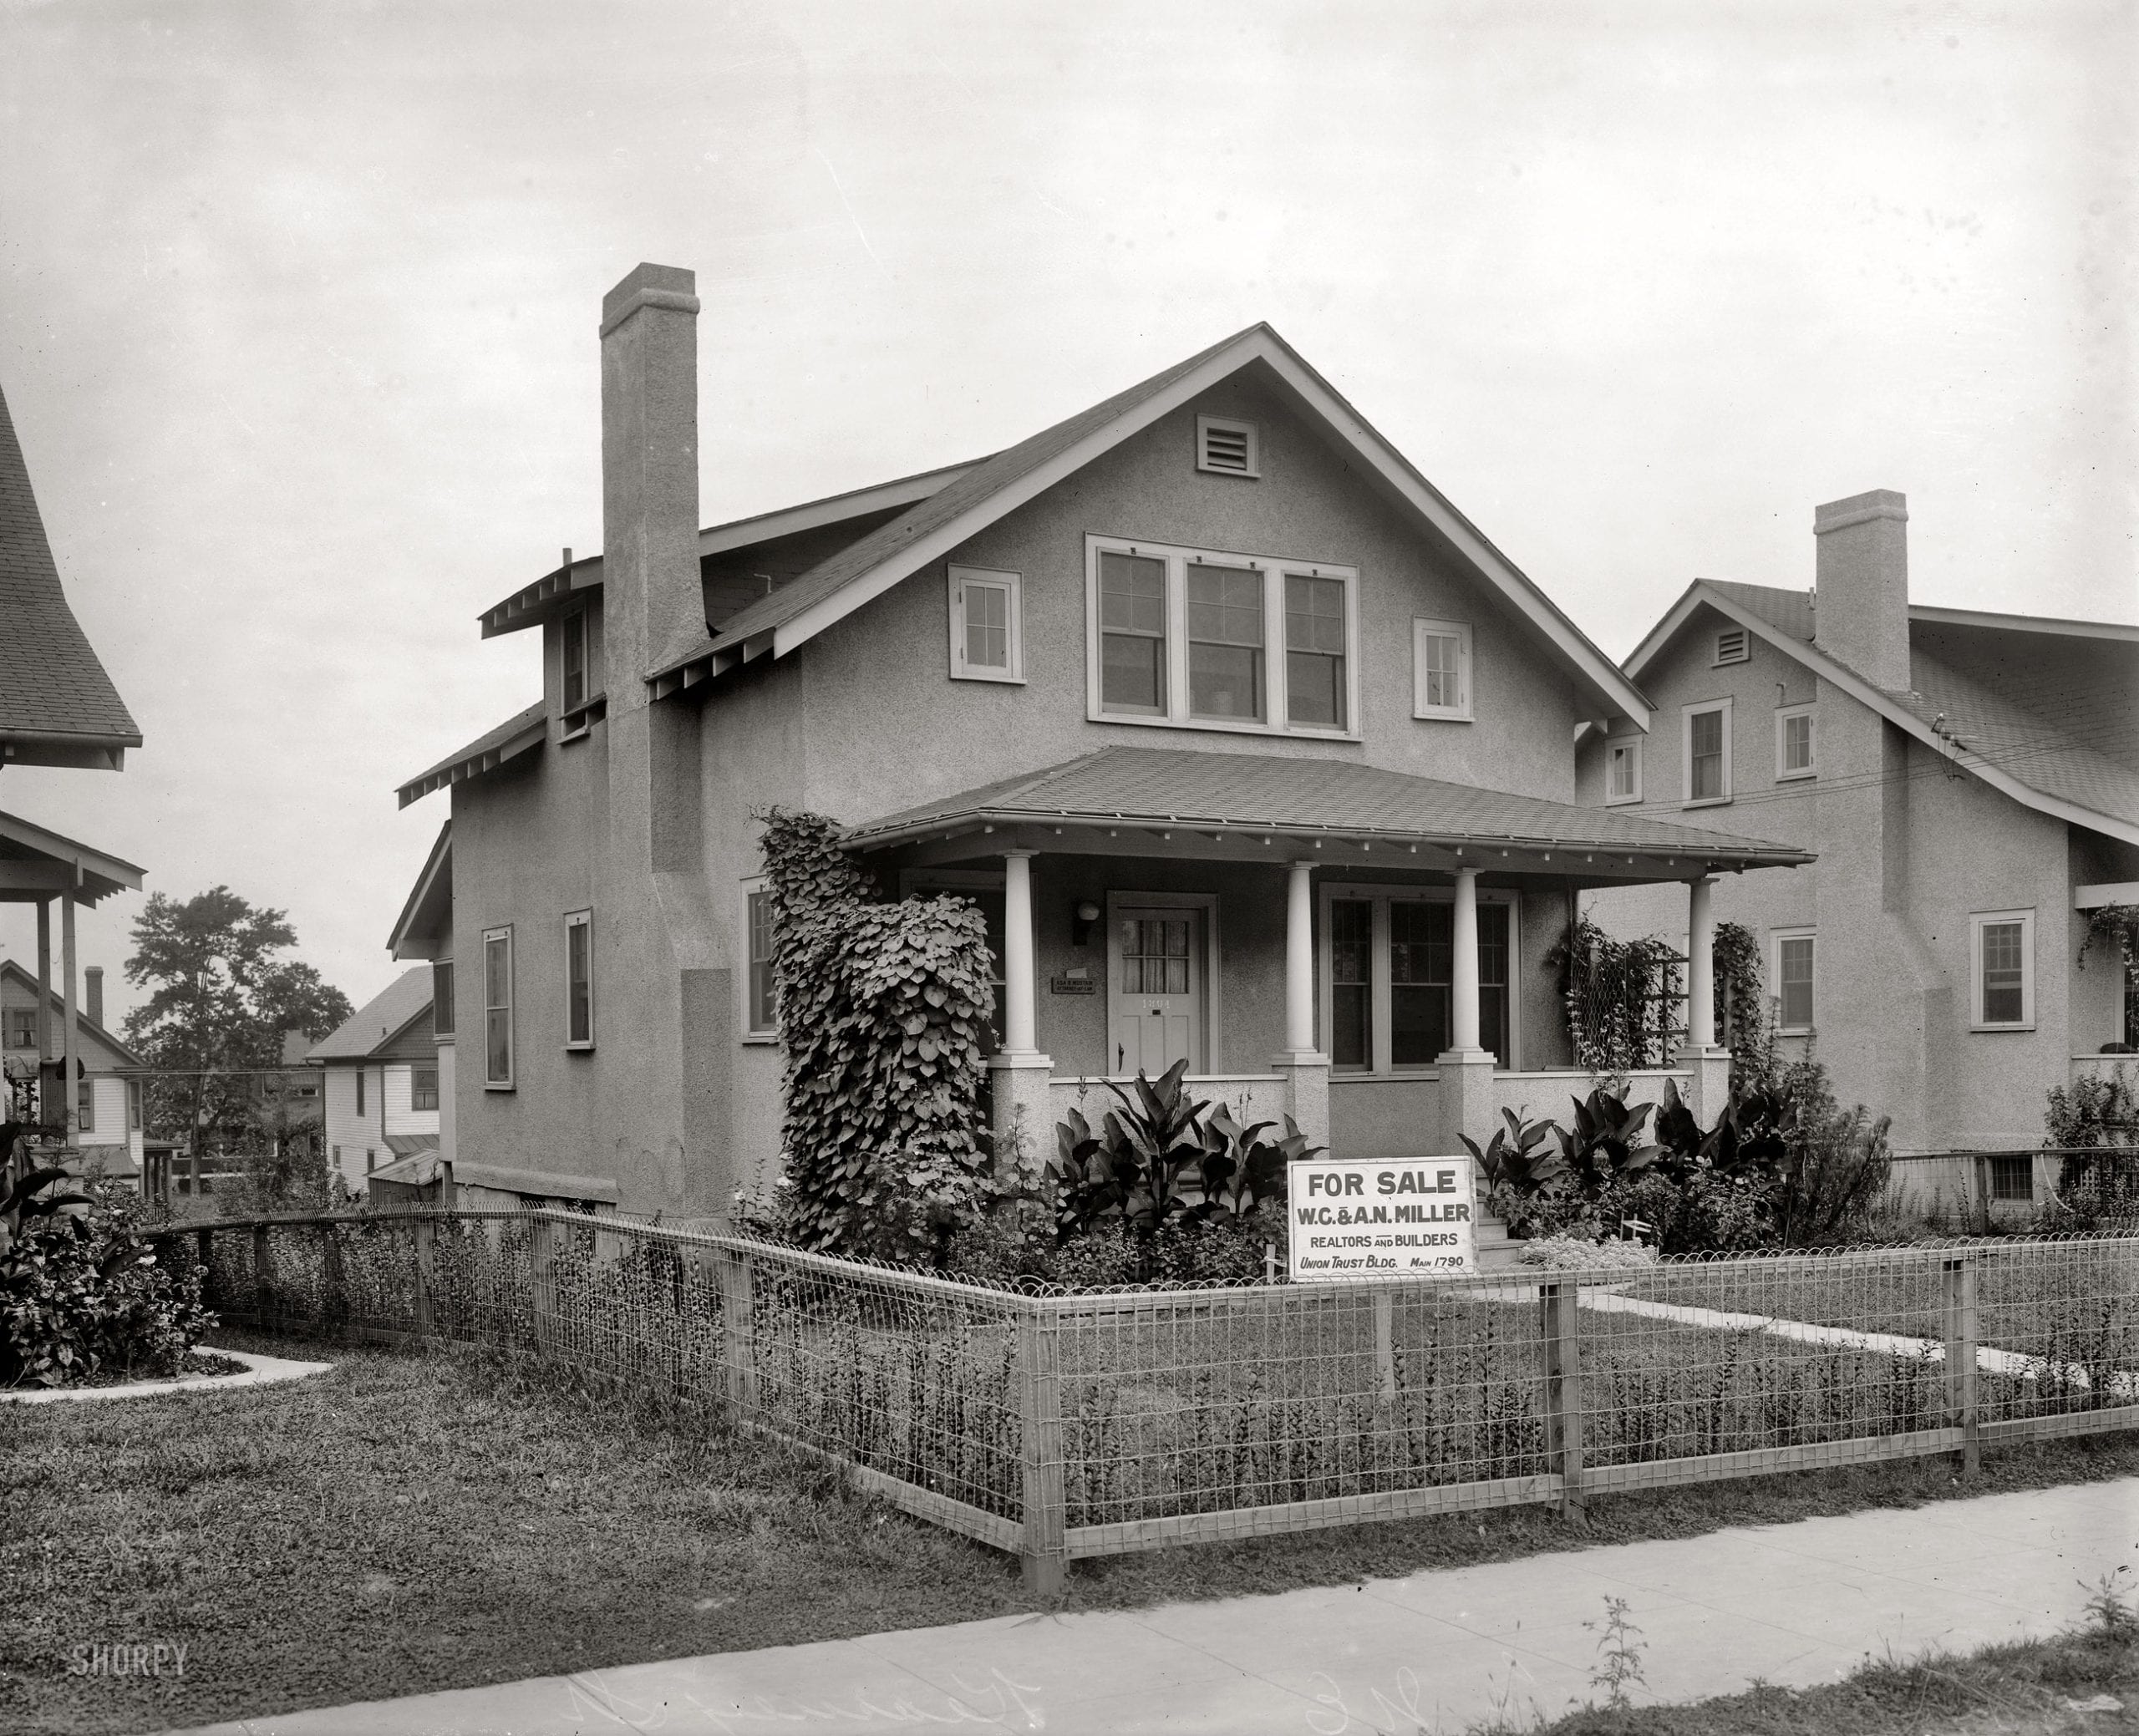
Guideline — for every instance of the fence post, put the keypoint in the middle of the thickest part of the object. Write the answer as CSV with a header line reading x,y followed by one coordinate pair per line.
x,y
426,1236
1564,1394
1044,1554
331,1287
263,1274
1384,1345
1961,1333
204,1247
738,1303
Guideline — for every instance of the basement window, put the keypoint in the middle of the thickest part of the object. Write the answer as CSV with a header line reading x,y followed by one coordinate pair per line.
x,y
1226,448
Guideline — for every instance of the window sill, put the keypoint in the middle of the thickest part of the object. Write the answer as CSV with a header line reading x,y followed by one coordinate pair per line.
x,y
579,1048
1795,1030
492,1085
1623,801
1442,717
1708,801
762,1038
581,719
1295,732
1995,1030
1008,681
1795,776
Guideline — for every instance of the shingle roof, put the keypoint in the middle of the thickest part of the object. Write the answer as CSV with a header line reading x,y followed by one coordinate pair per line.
x,y
515,735
1790,611
1254,792
51,682
380,1019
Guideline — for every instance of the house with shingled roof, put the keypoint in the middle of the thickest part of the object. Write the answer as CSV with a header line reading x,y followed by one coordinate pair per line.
x,y
379,1083
1969,783
1256,752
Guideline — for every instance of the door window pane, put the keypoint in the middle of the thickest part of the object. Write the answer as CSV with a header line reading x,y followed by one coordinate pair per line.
x,y
1155,956
1420,951
1706,775
1132,633
1315,651
1351,984
1493,955
2004,979
1225,642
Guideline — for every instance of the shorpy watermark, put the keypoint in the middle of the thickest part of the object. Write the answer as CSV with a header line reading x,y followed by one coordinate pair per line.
x,y
128,1658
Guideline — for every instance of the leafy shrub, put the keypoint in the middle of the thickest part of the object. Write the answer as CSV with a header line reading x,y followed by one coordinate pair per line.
x,y
883,1009
1620,996
1837,1162
82,1295
1016,1244
1569,1253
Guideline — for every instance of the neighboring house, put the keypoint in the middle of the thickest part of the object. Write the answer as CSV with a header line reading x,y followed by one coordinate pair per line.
x,y
107,1091
1256,752
58,707
1970,785
379,1082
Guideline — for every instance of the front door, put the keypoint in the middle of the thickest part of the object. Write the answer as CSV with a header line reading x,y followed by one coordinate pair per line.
x,y
1156,997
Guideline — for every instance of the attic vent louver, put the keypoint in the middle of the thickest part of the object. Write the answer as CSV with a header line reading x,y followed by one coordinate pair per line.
x,y
1733,647
1227,447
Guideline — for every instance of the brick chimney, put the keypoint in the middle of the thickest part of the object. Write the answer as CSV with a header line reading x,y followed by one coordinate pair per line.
x,y
93,993
649,473
1861,582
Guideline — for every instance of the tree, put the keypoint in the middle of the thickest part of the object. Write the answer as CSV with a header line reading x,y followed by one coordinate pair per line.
x,y
220,998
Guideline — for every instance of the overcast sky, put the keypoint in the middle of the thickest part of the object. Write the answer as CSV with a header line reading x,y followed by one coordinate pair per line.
x,y
297,311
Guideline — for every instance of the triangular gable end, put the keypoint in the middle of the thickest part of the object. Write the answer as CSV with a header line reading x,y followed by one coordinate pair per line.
x,y
122,1056
940,526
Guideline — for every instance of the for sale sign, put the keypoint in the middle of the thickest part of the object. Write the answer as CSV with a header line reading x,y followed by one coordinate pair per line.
x,y
1404,1217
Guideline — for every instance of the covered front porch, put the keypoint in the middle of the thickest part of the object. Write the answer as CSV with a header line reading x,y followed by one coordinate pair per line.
x,y
1361,949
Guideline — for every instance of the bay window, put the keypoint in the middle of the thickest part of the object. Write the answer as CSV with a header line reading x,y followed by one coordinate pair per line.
x,y
1389,972
1188,637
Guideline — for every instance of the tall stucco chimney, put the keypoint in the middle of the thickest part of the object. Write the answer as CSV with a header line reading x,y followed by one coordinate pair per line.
x,y
649,473
93,993
1861,584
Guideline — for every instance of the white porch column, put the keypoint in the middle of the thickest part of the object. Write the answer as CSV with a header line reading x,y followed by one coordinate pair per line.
x,y
1017,989
43,1001
1463,970
1701,964
71,1033
1300,961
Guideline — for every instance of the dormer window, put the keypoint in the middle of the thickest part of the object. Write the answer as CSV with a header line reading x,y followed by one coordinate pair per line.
x,y
1734,645
1226,448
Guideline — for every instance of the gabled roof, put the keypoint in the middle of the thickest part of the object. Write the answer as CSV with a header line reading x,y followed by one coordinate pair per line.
x,y
533,604
514,736
844,581
57,705
36,862
1295,798
372,1028
428,913
2076,761
25,981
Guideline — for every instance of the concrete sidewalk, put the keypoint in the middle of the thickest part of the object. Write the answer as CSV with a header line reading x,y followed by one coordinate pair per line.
x,y
1795,1604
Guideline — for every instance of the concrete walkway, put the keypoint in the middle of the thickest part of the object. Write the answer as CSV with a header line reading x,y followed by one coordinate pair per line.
x,y
1795,1604
260,1371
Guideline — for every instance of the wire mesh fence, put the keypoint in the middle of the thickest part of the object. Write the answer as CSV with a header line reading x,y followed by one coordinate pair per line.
x,y
1064,1425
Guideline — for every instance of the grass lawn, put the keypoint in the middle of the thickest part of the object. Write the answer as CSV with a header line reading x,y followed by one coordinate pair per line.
x,y
412,1522
2037,1687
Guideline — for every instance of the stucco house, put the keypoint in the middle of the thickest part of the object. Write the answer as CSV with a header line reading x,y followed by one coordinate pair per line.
x,y
1256,751
379,1083
107,1088
1969,783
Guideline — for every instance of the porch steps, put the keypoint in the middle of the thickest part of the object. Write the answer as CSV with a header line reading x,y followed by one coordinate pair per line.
x,y
1496,1249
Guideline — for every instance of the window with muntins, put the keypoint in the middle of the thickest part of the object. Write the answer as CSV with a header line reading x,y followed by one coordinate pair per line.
x,y
1186,637
1708,753
762,1010
1794,743
987,624
2012,1178
1793,970
1440,669
497,1009
579,979
1622,772
423,1088
2004,970
1390,964
573,658
85,1105
22,1027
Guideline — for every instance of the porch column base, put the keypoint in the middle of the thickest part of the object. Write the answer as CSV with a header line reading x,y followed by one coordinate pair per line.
x,y
1306,1074
1709,1091
1469,1105
1025,1124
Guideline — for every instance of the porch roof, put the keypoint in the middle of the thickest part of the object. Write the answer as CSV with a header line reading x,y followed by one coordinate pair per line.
x,y
37,863
1250,801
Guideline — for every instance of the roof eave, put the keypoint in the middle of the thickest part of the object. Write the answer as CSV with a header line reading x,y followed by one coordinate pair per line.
x,y
438,862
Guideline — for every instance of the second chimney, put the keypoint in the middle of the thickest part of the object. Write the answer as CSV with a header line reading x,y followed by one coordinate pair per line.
x,y
1861,584
93,993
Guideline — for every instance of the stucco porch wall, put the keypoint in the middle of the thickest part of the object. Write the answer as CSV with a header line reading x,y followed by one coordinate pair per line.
x,y
1400,1115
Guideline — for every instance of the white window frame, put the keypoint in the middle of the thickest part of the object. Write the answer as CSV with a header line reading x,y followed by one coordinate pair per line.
x,y
1686,716
1977,922
1013,585
1421,628
511,1016
752,888
1176,560
1380,970
1630,745
1809,711
579,919
1743,654
1229,424
1775,938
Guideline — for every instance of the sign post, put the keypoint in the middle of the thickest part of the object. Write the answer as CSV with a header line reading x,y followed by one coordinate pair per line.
x,y
1404,1217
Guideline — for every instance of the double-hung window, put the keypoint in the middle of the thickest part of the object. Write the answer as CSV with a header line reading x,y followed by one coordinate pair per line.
x,y
572,659
1441,670
1707,728
423,1088
1623,770
361,1076
579,979
442,997
1793,980
2004,988
497,1009
1193,639
761,1001
1794,755
987,625
1388,960
85,1105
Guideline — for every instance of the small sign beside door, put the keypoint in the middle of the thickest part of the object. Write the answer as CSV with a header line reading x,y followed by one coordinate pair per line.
x,y
1354,1218
1072,983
